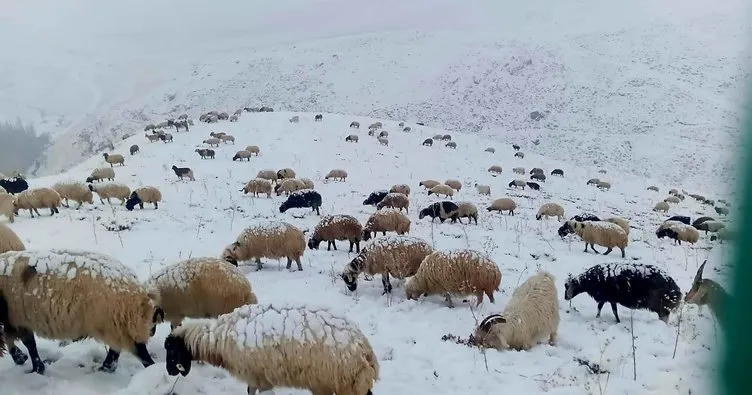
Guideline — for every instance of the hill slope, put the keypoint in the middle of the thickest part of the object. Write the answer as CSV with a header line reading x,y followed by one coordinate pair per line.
x,y
199,218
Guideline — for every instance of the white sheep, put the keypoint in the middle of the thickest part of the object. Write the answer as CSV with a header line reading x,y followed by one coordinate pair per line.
x,y
295,119
352,138
289,185
267,174
337,227
242,154
428,184
395,200
253,149
483,189
9,240
454,184
519,170
337,175
602,233
442,189
623,223
101,173
401,188
272,240
495,169
307,183
532,314
227,138
383,141
113,159
490,149
678,231
518,184
465,210
503,204
75,191
147,194
386,220
550,210
672,199
653,188
213,142
267,346
34,199
257,186
112,190
285,173
7,208
605,185
661,206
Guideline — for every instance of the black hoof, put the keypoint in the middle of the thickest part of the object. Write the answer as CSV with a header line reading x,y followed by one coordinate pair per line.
x,y
108,368
18,356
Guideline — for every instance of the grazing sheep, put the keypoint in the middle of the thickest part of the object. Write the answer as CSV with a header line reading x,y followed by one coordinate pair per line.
x,y
383,133
253,149
672,199
490,149
601,171
337,227
112,190
233,118
678,232
396,256
257,186
593,181
267,174
149,127
427,143
355,124
515,147
631,285
550,210
661,206
114,159
227,138
77,295
266,109
285,173
217,134
288,186
503,204
558,172
565,229
519,154
680,218
519,170
395,200
710,226
18,184
451,144
700,220
205,153
537,170
407,129
441,189
223,116
602,233
533,185
455,272
295,119
465,210
454,184
166,138
268,239
9,240
375,197
673,191
530,315
242,155
188,289
442,210
298,347
75,191
446,137
99,174
383,141
301,199
708,292
538,177
336,175
653,188
352,138
318,117
483,189
307,183
496,169
144,195
213,142
722,211
428,184
34,199
375,126
134,149
386,220
400,188
518,183
6,207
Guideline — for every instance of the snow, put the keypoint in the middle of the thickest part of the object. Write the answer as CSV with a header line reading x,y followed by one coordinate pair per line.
x,y
301,192
68,263
198,218
180,274
466,254
394,240
265,227
605,225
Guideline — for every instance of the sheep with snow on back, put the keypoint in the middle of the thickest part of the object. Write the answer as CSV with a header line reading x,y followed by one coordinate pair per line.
x,y
34,199
205,153
454,184
455,272
183,172
336,175
532,314
678,231
441,210
75,191
267,174
79,294
710,226
242,154
134,149
519,170
395,200
189,289
352,138
631,285
495,169
302,199
518,183
503,204
722,211
289,185
442,189
400,188
386,220
375,197
285,173
428,184
272,240
253,149
550,210
661,206
537,170
257,186
396,256
6,207
113,159
100,174
427,142
112,190
679,218
483,189
143,195
653,188
465,210
337,227
314,350
602,233
9,241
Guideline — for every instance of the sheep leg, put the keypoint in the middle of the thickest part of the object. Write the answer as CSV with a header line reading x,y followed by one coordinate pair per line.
x,y
260,265
317,211
156,205
143,354
608,251
386,283
141,205
357,246
19,358
297,262
592,247
552,339
448,299
616,313
479,298
80,204
489,293
110,363
600,306
27,338
623,255
66,203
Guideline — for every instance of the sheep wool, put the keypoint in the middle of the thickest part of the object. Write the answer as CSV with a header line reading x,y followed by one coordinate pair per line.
x,y
102,173
257,186
307,183
483,189
550,210
395,200
602,233
7,208
189,289
34,199
465,210
678,231
268,239
530,315
267,174
386,220
75,191
337,227
268,346
289,185
441,189
503,204
455,272
9,240
400,188
454,184
337,175
661,206
111,191
623,223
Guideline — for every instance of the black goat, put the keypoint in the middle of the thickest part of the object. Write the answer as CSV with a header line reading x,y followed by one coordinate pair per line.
x,y
301,199
536,170
700,220
14,185
533,185
631,285
443,210
566,229
516,147
680,218
375,197
183,172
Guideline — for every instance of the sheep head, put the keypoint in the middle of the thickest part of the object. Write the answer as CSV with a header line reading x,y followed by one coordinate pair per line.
x,y
490,334
179,357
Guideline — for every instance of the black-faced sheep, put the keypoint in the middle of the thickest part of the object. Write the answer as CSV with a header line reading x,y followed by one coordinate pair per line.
x,y
465,210
558,172
495,170
386,220
428,184
242,154
442,189
75,191
113,159
451,144
395,200
593,181
679,218
205,153
383,133
183,172
301,199
375,197
34,199
629,284
165,137
109,191
490,149
396,256
517,184
537,170
678,232
355,124
272,240
519,154
708,292
9,240
313,350
538,177
352,138
336,175
446,137
441,210
337,227
318,117
100,174
565,229
602,233
134,149
550,210
515,147
533,185
144,195
14,185
427,142
653,188
257,186
503,204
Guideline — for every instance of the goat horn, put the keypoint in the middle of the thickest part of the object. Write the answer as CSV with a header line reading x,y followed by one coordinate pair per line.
x,y
485,320
698,276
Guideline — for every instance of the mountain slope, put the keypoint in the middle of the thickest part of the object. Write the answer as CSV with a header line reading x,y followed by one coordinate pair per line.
x,y
199,218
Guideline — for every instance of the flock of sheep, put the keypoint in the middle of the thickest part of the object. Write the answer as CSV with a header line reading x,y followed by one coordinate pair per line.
x,y
65,285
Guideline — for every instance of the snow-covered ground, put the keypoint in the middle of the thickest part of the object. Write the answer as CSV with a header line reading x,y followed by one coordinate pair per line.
x,y
613,79
199,218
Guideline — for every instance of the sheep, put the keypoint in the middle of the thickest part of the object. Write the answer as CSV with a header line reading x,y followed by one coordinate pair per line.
x,y
428,184
257,186
100,174
183,172
285,173
34,199
451,144
288,186
678,232
601,171
722,211
603,233
708,292
490,149
75,295
400,188
673,191
301,199
495,169
9,241
113,159
267,174
533,185
503,204
253,149
383,133
166,138
679,218
269,239
355,124
519,170
75,191
387,220
557,172
227,138
442,210
352,138
515,147
530,315
318,117
700,220
383,141
144,195
593,181
375,197
455,272
217,135
112,190
7,208
427,143
189,289
565,229
375,125
266,109
537,170
454,184
518,183
631,285
295,119
134,149
337,227
396,256
213,142
407,129
550,210
710,226
465,210
243,154
395,200
300,347
519,154
336,175
233,118
672,199
205,153
446,137
149,127
17,184
661,206
441,189
538,177
483,189
653,188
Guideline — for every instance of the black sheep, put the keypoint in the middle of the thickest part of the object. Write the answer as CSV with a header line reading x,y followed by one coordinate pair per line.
x,y
533,185
536,170
427,142
442,210
558,172
375,197
14,185
668,232
132,201
538,177
318,117
631,285
421,124
679,218
516,147
301,199
183,172
700,220
566,229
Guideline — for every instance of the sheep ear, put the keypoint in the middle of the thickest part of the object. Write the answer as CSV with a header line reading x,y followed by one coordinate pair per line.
x,y
698,276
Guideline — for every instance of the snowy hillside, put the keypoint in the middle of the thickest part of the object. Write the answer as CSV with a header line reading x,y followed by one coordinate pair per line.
x,y
612,79
200,218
